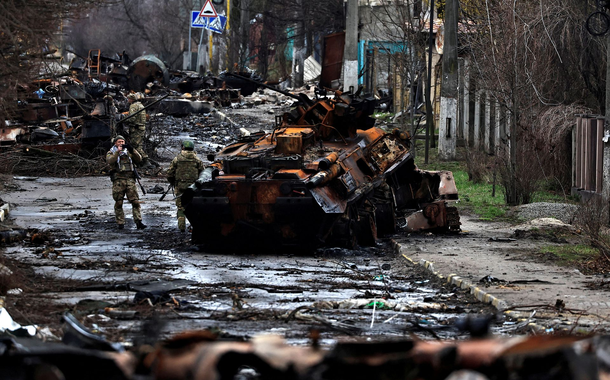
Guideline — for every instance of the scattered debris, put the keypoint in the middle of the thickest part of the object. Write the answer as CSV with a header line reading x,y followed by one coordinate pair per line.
x,y
71,118
200,354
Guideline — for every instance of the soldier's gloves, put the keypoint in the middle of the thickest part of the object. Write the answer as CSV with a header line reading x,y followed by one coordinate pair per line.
x,y
128,147
171,180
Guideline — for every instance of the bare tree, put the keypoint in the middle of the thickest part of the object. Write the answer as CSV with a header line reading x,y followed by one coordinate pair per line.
x,y
138,27
398,31
532,55
29,30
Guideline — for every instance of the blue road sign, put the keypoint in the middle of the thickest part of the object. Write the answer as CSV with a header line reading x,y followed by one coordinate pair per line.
x,y
215,24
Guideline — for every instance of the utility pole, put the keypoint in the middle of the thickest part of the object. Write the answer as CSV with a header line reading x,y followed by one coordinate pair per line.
x,y
449,86
244,37
350,52
606,159
429,96
298,64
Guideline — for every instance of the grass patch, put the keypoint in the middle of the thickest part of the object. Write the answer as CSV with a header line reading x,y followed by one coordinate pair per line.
x,y
479,197
571,254
552,197
383,116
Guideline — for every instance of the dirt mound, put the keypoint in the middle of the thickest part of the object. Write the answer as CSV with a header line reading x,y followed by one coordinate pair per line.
x,y
550,229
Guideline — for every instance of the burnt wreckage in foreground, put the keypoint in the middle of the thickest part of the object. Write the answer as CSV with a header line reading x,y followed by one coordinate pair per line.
x,y
325,176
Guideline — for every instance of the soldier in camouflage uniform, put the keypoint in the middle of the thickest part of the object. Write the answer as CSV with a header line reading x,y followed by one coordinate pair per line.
x,y
183,172
120,158
137,127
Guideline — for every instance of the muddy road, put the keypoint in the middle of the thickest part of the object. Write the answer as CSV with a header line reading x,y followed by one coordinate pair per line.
x,y
113,280
75,259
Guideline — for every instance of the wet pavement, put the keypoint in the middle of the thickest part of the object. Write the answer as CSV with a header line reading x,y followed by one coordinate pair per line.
x,y
369,292
505,262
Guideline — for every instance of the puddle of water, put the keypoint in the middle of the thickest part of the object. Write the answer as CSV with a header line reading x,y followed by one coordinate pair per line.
x,y
73,298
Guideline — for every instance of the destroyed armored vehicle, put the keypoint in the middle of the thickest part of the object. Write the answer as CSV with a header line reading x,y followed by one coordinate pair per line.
x,y
325,176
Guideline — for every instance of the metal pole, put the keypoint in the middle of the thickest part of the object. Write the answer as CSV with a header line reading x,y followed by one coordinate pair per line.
x,y
190,51
606,149
199,48
429,123
228,14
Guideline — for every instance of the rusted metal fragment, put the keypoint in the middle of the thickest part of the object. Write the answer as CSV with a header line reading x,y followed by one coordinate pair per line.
x,y
11,236
97,128
431,216
61,148
198,357
224,97
72,92
552,357
333,59
181,107
36,112
144,70
246,82
11,134
33,359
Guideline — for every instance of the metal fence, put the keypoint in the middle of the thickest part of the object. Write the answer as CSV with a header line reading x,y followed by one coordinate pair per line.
x,y
587,154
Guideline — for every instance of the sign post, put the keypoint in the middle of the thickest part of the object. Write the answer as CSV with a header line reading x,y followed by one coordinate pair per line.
x,y
206,18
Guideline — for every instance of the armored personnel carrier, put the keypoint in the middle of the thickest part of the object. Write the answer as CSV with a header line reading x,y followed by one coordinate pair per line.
x,y
325,176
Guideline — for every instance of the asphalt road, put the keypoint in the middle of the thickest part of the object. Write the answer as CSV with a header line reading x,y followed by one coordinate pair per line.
x,y
117,279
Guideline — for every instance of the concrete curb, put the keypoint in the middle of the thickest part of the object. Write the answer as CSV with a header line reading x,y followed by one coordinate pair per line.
x,y
479,293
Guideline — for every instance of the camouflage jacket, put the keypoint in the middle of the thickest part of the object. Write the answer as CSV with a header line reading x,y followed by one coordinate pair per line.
x,y
121,166
140,119
184,169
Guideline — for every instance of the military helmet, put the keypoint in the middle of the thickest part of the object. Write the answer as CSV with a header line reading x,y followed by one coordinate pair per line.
x,y
188,145
118,137
132,96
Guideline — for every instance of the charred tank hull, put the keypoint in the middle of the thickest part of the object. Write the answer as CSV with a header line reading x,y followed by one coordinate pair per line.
x,y
325,177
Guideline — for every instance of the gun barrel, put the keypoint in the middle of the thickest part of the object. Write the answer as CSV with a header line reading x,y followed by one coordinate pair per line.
x,y
143,109
165,194
141,187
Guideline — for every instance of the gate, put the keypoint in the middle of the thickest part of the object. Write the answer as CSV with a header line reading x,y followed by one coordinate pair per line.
x,y
587,154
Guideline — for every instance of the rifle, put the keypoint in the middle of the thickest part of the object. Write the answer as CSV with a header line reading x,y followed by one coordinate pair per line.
x,y
167,191
137,175
143,109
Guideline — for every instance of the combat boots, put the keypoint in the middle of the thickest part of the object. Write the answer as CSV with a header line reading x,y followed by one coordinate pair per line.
x,y
182,224
140,225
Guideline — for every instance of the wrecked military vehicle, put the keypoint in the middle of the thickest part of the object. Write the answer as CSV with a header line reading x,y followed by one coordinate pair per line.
x,y
325,176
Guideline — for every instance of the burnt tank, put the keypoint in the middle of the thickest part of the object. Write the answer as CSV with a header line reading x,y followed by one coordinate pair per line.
x,y
325,176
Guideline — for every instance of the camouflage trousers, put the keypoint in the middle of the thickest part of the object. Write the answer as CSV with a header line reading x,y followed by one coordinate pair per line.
x,y
136,139
120,188
180,213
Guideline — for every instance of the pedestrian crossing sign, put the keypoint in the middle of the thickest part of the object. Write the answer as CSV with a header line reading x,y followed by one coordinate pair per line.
x,y
216,24
208,10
